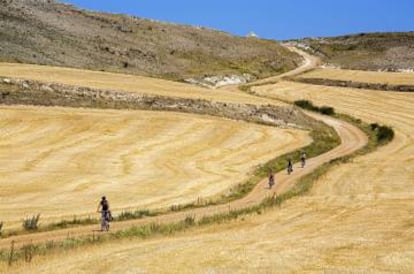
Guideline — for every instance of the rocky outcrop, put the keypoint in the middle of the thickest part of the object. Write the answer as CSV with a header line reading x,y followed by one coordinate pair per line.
x,y
27,92
221,81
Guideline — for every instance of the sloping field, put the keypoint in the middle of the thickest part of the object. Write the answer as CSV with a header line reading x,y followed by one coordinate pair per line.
x,y
67,36
358,218
59,161
392,78
122,82
366,51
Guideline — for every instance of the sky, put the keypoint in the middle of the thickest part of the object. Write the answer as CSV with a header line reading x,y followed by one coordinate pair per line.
x,y
271,19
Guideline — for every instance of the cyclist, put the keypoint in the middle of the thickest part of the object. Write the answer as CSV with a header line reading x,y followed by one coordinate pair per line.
x,y
103,208
271,179
289,167
303,158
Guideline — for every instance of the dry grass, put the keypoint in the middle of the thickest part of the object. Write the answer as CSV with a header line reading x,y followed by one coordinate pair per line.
x,y
63,35
122,82
357,218
367,51
392,78
138,159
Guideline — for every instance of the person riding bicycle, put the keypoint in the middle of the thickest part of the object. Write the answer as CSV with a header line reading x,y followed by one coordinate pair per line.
x,y
289,166
303,158
103,208
271,179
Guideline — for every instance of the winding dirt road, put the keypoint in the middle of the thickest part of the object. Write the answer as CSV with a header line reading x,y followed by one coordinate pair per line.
x,y
309,62
352,140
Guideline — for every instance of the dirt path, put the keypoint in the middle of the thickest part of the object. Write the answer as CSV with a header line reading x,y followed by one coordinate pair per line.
x,y
352,139
310,62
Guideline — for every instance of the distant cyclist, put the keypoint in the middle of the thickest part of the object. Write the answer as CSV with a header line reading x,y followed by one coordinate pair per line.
x,y
106,216
303,158
271,179
289,167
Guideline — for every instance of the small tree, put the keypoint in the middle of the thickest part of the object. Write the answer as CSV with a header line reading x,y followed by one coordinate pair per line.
x,y
385,134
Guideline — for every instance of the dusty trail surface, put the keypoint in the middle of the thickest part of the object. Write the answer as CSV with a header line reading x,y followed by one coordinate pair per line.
x,y
309,62
352,139
139,159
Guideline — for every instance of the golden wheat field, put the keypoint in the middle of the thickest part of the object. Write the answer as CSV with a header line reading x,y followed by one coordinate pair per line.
x,y
392,78
59,161
358,218
122,82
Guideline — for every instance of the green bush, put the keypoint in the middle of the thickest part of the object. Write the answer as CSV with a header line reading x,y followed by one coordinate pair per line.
x,y
384,134
374,126
306,104
327,110
31,223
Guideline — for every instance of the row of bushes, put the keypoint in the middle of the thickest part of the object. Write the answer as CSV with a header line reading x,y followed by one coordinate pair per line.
x,y
305,104
383,133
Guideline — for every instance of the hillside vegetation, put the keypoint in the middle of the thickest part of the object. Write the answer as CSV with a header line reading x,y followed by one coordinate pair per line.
x,y
366,51
53,33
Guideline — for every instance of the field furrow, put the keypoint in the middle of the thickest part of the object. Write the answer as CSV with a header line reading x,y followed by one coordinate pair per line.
x,y
59,161
123,82
391,78
357,218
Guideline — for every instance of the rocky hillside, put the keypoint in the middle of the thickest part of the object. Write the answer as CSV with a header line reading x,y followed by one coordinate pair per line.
x,y
53,33
372,51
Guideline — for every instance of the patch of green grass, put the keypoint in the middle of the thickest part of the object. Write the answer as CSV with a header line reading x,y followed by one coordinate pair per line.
x,y
137,214
74,222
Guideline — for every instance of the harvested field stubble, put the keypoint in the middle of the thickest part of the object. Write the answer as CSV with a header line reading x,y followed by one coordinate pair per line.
x,y
357,218
139,159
